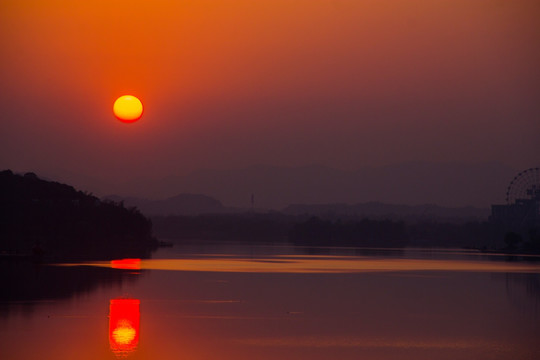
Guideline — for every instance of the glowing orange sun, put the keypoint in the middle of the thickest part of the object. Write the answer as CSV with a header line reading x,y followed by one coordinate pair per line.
x,y
128,108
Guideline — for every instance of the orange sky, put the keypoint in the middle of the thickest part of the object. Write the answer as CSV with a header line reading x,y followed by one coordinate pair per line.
x,y
226,84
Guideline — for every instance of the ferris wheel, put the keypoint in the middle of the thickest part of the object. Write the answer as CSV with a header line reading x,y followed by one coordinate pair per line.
x,y
524,186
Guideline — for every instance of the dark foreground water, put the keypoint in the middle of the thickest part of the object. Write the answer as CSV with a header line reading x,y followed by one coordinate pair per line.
x,y
272,302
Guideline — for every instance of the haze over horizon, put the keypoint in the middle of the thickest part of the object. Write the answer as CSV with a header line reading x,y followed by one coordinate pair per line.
x,y
276,187
349,85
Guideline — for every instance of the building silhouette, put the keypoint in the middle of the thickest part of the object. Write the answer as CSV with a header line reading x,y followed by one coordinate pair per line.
x,y
522,208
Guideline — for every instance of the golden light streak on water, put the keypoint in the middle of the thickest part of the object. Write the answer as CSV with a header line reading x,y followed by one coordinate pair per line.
x,y
318,264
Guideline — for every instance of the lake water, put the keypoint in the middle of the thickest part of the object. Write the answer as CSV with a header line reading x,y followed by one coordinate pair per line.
x,y
229,301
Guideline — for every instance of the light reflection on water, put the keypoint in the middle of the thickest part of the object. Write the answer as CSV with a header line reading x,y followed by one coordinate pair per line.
x,y
320,264
278,304
124,326
126,264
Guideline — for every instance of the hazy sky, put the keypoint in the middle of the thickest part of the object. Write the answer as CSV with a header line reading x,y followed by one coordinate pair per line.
x,y
231,83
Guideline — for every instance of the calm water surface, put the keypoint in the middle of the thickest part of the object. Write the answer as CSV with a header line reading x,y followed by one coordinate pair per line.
x,y
209,301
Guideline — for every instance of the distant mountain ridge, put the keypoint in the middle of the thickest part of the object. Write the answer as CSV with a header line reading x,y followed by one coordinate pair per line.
x,y
275,187
198,204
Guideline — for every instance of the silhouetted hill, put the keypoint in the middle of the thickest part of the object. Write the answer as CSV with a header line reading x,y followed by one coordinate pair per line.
x,y
183,204
377,210
39,215
444,184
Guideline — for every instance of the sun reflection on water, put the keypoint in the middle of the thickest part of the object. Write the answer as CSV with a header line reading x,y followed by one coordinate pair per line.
x,y
126,264
124,317
124,333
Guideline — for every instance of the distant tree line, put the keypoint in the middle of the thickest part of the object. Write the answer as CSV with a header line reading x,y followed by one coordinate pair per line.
x,y
56,219
363,233
526,243
314,231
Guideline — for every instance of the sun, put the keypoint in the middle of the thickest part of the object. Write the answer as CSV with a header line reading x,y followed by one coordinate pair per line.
x,y
128,108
